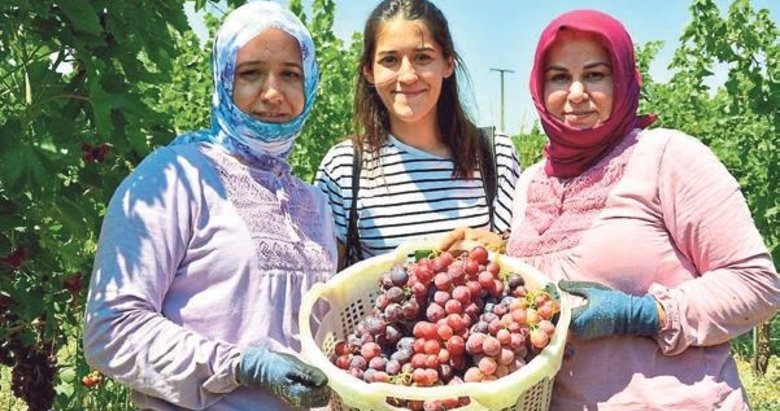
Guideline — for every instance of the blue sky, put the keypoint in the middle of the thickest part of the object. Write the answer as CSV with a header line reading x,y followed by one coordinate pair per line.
x,y
503,33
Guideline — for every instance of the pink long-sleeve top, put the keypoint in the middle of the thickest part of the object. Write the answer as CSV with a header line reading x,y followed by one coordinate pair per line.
x,y
201,255
661,215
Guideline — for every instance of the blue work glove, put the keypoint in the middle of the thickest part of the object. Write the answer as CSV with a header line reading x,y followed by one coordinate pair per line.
x,y
551,289
298,383
610,312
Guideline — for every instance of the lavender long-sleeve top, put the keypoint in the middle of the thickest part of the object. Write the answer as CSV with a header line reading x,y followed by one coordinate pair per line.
x,y
659,214
199,256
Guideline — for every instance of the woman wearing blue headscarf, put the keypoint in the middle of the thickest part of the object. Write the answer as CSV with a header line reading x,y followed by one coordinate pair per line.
x,y
208,246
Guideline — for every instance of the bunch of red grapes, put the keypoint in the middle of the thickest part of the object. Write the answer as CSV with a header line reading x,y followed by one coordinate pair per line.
x,y
32,378
446,320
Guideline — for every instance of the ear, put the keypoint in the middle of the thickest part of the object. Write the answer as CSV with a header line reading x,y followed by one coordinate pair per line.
x,y
450,67
368,74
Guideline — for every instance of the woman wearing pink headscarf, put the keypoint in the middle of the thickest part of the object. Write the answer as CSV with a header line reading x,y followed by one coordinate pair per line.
x,y
647,225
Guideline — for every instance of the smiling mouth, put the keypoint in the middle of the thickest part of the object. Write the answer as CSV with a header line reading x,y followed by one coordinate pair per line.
x,y
579,113
271,117
409,92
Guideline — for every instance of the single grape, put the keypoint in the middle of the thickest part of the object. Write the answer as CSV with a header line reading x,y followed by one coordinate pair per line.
x,y
443,357
370,350
378,363
493,268
432,347
515,280
435,312
368,375
473,374
446,257
442,282
358,362
479,254
398,276
343,361
504,336
431,360
539,338
485,279
418,360
456,345
471,267
487,365
474,343
393,333
475,289
453,307
441,297
411,309
381,376
547,326
479,327
491,346
444,332
405,343
395,294
394,312
401,356
393,367
506,357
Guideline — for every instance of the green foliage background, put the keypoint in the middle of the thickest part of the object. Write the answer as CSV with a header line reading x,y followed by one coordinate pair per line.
x,y
90,87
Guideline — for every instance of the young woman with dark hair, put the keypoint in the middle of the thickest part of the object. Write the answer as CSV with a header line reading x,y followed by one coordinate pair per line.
x,y
420,173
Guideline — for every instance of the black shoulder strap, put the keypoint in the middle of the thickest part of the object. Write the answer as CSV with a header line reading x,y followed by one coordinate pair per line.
x,y
354,253
488,167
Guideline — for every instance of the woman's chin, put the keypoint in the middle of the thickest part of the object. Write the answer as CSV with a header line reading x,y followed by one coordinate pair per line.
x,y
583,125
274,119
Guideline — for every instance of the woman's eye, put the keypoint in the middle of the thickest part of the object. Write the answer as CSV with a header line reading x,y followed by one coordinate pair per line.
x,y
292,75
558,78
249,75
387,60
423,58
595,76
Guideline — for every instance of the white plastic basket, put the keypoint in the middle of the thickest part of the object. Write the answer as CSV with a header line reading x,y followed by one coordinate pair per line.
x,y
351,294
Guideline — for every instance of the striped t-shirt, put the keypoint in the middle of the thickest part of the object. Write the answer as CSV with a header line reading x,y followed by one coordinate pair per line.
x,y
412,193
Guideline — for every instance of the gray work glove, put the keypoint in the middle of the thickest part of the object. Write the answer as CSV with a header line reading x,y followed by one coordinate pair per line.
x,y
298,383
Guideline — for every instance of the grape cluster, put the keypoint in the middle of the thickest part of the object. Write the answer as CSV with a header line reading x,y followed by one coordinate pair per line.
x,y
15,259
446,320
96,154
33,377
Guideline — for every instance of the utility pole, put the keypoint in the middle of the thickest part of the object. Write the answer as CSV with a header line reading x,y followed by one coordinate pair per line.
x,y
502,71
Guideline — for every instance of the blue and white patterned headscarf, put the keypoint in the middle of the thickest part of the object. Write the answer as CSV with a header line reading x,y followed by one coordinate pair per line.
x,y
230,125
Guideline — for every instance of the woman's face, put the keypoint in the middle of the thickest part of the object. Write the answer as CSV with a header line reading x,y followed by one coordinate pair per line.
x,y
268,84
578,81
407,69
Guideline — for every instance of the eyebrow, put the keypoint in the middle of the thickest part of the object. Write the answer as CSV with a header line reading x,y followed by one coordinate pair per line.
x,y
261,62
587,66
426,49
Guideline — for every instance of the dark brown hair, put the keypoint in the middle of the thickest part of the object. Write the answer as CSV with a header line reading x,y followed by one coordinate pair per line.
x,y
372,120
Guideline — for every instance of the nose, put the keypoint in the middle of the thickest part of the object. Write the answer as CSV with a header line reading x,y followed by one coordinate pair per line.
x,y
407,73
577,92
271,92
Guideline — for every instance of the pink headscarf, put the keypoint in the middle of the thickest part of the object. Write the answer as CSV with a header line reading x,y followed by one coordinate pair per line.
x,y
571,151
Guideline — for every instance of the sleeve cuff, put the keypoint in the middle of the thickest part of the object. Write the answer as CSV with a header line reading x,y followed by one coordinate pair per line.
x,y
669,336
225,378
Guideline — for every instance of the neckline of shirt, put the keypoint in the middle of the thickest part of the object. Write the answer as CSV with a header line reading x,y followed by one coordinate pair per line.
x,y
413,150
263,162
